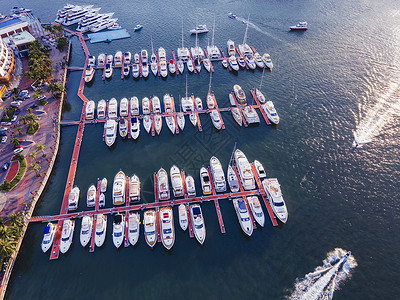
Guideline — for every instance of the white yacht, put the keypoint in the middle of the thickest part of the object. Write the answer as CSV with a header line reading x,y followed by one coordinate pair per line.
x,y
197,64
193,118
92,19
176,181
124,107
101,229
256,210
123,127
198,103
168,108
136,58
273,189
103,185
147,122
167,227
267,61
135,70
154,64
61,13
145,69
207,64
225,63
180,65
163,68
205,181
250,115
170,123
102,200
258,60
150,227
89,74
113,109
217,174
91,61
210,101
48,236
144,56
172,67
67,235
134,188
111,132
73,198
156,105
233,63
299,26
250,62
109,71
201,28
183,217
146,106
157,123
199,228
231,48
135,128
190,187
103,24
90,107
270,111
241,62
101,60
180,119
126,70
244,169
133,227
101,109
86,230
243,215
245,49
119,188
190,66
127,58
162,54
187,104
110,59
216,119
91,196
237,115
233,180
134,106
118,229
260,169
77,14
260,96
162,185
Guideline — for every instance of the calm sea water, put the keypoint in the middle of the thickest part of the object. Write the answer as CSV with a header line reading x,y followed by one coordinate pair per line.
x,y
338,79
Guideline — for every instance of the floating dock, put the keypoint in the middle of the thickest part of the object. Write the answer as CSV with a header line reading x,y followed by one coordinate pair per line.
x,y
108,36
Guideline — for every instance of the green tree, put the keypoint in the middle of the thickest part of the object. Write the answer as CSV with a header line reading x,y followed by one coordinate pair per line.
x,y
40,147
15,220
7,247
38,92
15,142
62,43
35,167
56,88
47,27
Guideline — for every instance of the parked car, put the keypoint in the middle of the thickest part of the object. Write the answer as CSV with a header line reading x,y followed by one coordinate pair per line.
x,y
18,150
14,118
5,166
3,128
15,103
5,123
3,133
4,139
16,147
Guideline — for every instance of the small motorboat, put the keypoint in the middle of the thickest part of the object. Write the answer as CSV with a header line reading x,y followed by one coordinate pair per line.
x,y
167,227
210,101
201,28
299,26
86,230
113,108
258,60
147,121
138,27
271,113
135,127
91,196
260,96
118,230
198,103
207,64
180,119
134,106
273,189
102,200
176,181
127,58
237,116
267,61
110,59
170,123
156,105
231,15
190,186
172,67
251,115
190,66
73,198
163,68
135,71
118,59
241,62
150,227
48,236
216,119
157,123
111,132
123,127
205,181
133,227
101,109
154,67
89,74
198,223
134,189
162,185
103,185
180,65
66,235
109,71
119,188
233,63
243,215
231,48
250,62
193,118
183,217
260,169
225,63
126,70
256,210
197,64
101,60
101,229
146,106
233,180
89,110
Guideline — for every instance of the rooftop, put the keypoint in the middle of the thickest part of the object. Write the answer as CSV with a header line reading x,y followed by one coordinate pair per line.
x,y
23,37
9,22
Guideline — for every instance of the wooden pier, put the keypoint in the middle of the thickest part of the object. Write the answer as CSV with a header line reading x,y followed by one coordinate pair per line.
x,y
217,208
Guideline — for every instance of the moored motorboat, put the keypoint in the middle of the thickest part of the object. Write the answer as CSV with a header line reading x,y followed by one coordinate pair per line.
x,y
210,101
216,119
163,68
86,230
233,63
241,62
101,109
267,61
183,218
176,181
187,104
299,26
167,227
147,121
271,113
250,62
260,169
162,185
273,189
102,200
190,66
133,227
135,127
118,59
89,74
217,174
193,118
111,132
199,228
197,64
103,185
225,63
201,28
150,227
113,109
170,123
231,48
127,58
156,105
126,70
190,186
231,15
205,181
48,236
198,103
180,66
207,64
134,188
233,180
101,229
66,235
244,169
101,60
91,196
256,210
157,123
260,96
123,127
134,106
172,67
90,107
146,106
138,27
154,64
118,229
243,215
109,71
180,119
237,116
110,59
258,60
73,198
135,71
250,115
119,188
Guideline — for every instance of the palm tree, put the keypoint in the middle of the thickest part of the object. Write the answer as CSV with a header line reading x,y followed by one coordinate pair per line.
x,y
32,155
35,167
38,92
40,147
7,247
15,142
15,220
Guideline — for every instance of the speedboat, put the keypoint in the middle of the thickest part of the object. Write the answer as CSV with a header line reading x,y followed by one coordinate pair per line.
x,y
48,236
150,227
162,185
250,62
111,132
176,181
133,227
256,210
89,74
260,169
134,188
258,60
162,54
135,71
243,215
172,67
190,66
123,127
198,103
134,106
156,105
187,104
237,116
232,99
250,115
124,107
167,227
110,59
101,109
126,70
154,64
138,27
102,200
135,127
240,95
101,229
180,65
201,28
216,119
241,62
163,68
109,71
205,181
244,169
180,119
168,104
233,63
217,174
113,109
101,60
119,187
231,15
118,59
118,230
90,106
210,101
157,123
193,118
146,106
73,198
207,64
245,48
299,26
147,121
260,96
183,218
145,69
197,64
231,48
233,181
199,228
225,63
273,189
270,111
127,58
86,230
66,235
91,196
170,123
190,187
103,185
267,61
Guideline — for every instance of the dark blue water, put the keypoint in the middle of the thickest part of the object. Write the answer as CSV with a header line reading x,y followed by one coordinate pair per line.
x,y
337,80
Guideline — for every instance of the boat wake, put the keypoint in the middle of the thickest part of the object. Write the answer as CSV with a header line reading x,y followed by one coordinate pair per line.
x,y
254,26
322,283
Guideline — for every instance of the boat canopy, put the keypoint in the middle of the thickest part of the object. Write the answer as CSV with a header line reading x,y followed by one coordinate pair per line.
x,y
196,210
46,229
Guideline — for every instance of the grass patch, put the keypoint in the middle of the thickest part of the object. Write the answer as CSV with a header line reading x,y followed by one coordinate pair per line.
x,y
8,186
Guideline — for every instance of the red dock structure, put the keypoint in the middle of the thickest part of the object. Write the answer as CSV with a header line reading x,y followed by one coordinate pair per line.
x,y
223,54
157,209
122,67
260,107
217,208
173,109
241,113
140,65
197,116
158,65
191,234
127,202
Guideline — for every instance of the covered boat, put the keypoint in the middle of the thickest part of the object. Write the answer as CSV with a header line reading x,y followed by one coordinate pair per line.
x,y
217,174
111,132
119,187
91,196
134,188
167,227
133,227
48,236
244,169
205,181
86,230
243,215
199,228
162,185
176,181
256,210
66,235
118,229
73,198
101,229
273,189
150,227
